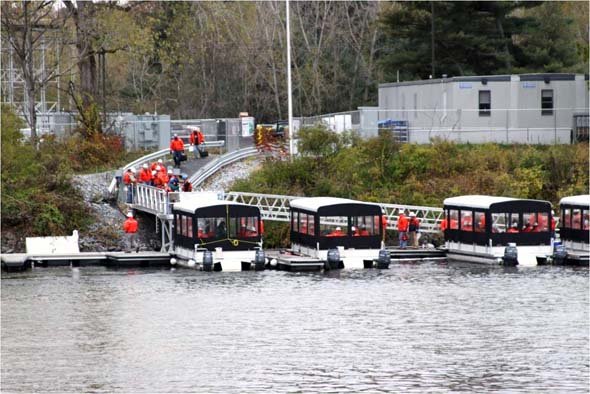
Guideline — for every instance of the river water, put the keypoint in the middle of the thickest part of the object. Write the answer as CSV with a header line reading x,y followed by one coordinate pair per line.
x,y
431,327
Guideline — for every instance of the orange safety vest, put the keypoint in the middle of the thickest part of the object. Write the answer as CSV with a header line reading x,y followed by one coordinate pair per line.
x,y
402,223
130,226
145,175
176,145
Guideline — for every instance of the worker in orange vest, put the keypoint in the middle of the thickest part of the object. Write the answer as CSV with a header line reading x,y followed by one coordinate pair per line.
x,y
177,150
130,228
130,181
145,175
402,229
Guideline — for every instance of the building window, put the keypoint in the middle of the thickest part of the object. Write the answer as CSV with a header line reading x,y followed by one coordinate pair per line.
x,y
485,102
547,102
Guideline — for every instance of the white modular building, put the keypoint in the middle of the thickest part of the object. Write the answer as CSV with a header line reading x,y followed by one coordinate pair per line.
x,y
526,108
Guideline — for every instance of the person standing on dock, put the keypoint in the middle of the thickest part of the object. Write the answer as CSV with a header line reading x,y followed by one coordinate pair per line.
x,y
130,228
413,227
402,229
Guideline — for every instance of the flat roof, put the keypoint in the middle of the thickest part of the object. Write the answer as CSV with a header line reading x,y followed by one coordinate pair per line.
x,y
314,203
192,206
489,78
582,200
482,202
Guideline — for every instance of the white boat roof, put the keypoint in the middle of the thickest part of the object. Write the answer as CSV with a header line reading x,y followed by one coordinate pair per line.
x,y
192,205
314,203
582,199
476,201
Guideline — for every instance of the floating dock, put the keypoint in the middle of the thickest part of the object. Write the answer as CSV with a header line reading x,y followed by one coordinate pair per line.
x,y
415,254
291,262
22,261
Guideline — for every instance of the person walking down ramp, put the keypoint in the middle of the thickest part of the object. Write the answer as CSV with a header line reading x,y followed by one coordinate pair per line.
x,y
177,150
130,228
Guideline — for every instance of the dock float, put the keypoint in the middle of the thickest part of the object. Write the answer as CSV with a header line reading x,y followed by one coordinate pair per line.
x,y
293,262
416,254
22,261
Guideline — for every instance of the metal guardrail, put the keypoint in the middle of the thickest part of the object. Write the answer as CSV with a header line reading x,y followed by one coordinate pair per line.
x,y
212,167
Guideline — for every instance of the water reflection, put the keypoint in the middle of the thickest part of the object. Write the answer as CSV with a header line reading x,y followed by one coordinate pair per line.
x,y
432,326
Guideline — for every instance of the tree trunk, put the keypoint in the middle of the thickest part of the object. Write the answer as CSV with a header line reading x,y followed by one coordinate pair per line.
x,y
29,75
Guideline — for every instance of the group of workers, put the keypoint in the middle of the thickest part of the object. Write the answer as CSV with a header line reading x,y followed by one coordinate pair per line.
x,y
408,229
196,140
156,175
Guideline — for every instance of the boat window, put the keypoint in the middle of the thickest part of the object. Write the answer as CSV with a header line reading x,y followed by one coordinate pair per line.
x,y
212,227
310,225
365,225
565,218
333,226
183,225
577,219
303,229
534,222
295,221
499,221
177,223
243,226
453,221
466,221
203,226
586,223
190,227
480,222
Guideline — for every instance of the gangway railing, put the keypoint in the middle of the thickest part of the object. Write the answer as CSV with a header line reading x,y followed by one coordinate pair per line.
x,y
276,207
212,167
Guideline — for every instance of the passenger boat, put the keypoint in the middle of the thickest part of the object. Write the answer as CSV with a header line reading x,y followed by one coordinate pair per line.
x,y
336,230
213,234
497,230
574,226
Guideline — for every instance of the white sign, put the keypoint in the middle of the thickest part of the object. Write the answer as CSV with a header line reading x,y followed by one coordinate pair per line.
x,y
247,126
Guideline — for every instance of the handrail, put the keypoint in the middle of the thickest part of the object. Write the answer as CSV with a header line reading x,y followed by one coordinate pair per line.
x,y
212,167
276,207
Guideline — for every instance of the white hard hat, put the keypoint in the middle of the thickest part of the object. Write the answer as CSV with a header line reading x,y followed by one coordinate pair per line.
x,y
175,135
169,171
400,211
129,214
154,172
145,165
338,228
160,161
132,169
412,214
158,168
353,228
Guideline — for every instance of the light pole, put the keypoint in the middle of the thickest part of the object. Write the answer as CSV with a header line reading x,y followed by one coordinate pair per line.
x,y
290,101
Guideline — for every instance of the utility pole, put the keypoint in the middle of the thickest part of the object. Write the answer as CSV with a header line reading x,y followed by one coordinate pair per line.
x,y
432,36
290,100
